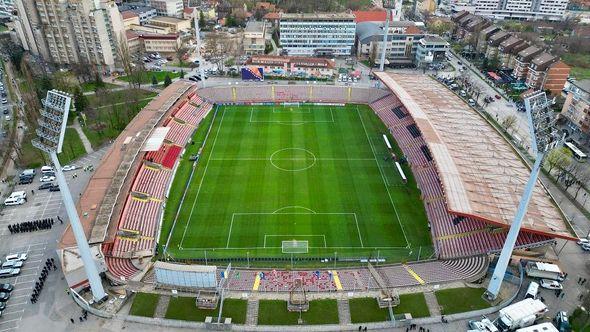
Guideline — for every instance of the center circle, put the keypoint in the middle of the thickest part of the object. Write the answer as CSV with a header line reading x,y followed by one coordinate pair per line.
x,y
292,159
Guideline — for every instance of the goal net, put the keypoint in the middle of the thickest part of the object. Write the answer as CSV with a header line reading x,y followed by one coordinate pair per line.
x,y
294,247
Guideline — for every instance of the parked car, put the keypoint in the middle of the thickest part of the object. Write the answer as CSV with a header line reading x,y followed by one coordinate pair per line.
x,y
551,284
69,168
6,273
46,185
586,247
6,288
4,297
583,241
12,264
2,307
17,257
497,97
47,178
54,188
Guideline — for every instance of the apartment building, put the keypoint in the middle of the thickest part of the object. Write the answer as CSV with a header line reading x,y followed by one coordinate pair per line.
x,y
508,49
129,18
254,38
547,72
484,36
555,77
494,42
402,41
71,31
173,8
552,10
317,34
273,65
577,107
523,60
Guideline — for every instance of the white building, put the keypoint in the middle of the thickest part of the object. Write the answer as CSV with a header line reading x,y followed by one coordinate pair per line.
x,y
174,8
317,34
553,10
6,8
254,37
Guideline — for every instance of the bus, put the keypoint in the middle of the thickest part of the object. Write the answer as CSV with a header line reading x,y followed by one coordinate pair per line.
x,y
578,154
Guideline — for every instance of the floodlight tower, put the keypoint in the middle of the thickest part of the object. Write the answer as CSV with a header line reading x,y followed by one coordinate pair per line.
x,y
196,17
543,138
50,136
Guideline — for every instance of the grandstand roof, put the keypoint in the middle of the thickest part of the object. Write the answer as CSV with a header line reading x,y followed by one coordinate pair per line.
x,y
482,176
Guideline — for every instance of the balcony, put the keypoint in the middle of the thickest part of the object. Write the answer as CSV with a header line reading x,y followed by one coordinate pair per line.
x,y
47,136
49,126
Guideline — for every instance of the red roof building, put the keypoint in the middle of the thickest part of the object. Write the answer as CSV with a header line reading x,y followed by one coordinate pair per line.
x,y
369,16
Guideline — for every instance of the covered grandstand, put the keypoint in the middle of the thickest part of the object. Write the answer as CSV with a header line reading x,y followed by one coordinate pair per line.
x,y
445,142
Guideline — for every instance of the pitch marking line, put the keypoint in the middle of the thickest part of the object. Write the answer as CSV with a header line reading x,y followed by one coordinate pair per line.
x,y
295,123
231,225
294,235
202,179
383,177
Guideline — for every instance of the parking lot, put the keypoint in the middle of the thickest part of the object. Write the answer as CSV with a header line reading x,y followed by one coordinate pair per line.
x,y
40,245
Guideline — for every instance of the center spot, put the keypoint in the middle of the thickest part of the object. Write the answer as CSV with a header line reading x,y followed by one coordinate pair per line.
x,y
292,159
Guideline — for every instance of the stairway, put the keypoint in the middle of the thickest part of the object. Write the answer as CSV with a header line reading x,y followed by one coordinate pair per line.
x,y
343,311
252,311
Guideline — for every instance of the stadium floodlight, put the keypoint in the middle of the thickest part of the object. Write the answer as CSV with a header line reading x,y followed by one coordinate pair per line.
x,y
196,16
50,136
544,137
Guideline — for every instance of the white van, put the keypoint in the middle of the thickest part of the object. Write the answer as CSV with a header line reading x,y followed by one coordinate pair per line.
x,y
47,169
532,291
17,257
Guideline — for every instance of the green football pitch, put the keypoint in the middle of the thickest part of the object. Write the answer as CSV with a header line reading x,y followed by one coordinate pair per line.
x,y
270,175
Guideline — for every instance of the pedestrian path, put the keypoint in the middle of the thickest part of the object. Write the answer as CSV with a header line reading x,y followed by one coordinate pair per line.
x,y
432,304
162,306
252,311
343,311
83,138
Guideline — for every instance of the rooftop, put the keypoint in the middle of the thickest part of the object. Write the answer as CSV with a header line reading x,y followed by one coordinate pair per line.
x,y
482,176
499,35
529,51
128,14
543,59
254,26
370,16
434,39
299,61
168,19
583,84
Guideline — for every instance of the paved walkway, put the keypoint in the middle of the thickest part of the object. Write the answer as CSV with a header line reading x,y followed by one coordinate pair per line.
x,y
252,311
432,304
83,138
343,311
162,306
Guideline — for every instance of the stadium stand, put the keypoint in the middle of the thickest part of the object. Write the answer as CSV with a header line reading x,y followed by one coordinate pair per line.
x,y
152,181
468,238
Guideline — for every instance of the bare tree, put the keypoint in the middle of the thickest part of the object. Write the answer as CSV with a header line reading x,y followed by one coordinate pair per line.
x,y
509,123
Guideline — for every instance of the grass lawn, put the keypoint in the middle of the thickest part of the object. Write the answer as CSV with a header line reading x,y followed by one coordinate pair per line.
x,y
580,64
111,112
274,312
470,299
147,77
364,310
72,147
184,308
3,28
320,174
91,86
144,304
578,319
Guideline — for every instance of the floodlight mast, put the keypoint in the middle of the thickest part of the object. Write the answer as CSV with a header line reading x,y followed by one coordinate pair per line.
x,y
543,138
196,17
50,135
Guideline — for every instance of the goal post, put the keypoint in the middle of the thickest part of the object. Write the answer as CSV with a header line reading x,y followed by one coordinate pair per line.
x,y
295,246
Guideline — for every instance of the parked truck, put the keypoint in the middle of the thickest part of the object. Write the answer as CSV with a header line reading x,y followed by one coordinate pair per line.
x,y
545,327
520,314
544,271
484,325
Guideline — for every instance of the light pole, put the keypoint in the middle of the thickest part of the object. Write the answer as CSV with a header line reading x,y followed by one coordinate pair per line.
x,y
197,15
50,136
543,138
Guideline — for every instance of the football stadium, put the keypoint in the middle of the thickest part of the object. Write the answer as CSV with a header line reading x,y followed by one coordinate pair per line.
x,y
269,187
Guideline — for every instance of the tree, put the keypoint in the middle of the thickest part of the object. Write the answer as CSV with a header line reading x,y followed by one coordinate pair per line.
x,y
98,82
154,79
582,178
201,20
180,51
80,100
558,158
134,71
167,80
509,122
181,73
